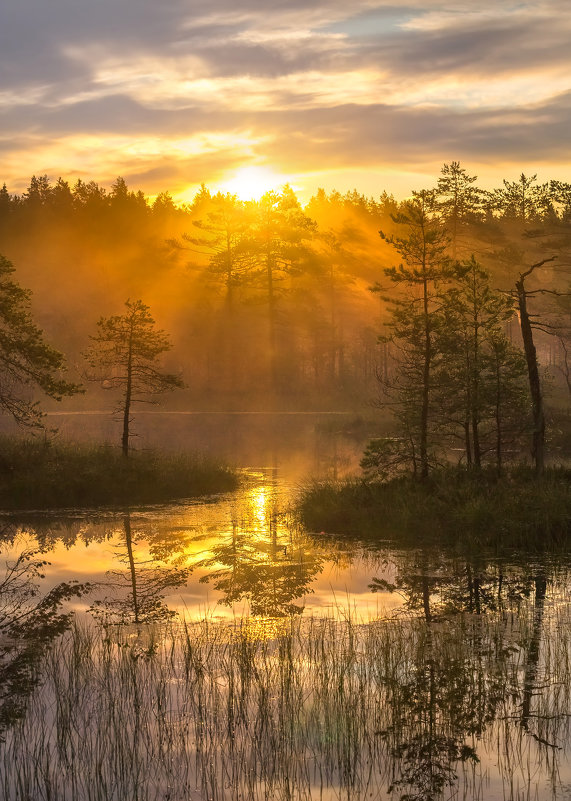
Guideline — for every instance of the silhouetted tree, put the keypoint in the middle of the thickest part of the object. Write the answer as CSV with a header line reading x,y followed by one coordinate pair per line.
x,y
220,236
507,395
125,354
560,196
5,204
521,200
474,313
278,245
38,193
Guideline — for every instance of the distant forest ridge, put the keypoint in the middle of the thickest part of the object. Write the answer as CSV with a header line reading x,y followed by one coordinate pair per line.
x,y
524,197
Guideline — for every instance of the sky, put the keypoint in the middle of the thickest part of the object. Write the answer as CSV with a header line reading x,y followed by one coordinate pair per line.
x,y
241,95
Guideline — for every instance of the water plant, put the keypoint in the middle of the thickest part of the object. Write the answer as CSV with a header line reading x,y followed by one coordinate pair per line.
x,y
313,708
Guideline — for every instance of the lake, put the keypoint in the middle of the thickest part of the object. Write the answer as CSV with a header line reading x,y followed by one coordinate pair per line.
x,y
222,652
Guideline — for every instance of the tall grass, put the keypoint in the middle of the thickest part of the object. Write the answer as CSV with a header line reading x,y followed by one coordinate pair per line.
x,y
314,709
38,475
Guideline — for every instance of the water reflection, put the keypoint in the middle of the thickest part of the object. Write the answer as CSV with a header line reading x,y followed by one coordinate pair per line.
x,y
461,681
149,564
531,686
436,583
263,560
138,591
321,709
31,620
440,706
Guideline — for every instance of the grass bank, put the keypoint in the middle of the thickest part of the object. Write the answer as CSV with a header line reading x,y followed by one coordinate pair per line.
x,y
454,506
44,475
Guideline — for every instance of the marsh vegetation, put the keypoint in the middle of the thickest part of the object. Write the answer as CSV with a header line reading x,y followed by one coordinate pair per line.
x,y
464,509
308,708
219,650
36,474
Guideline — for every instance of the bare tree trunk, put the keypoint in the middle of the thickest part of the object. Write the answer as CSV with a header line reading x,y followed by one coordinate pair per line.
x,y
475,394
132,570
498,416
272,322
467,443
127,407
467,415
425,389
538,443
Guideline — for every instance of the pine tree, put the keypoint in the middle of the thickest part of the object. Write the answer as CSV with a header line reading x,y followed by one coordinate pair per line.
x,y
221,236
522,200
457,199
416,318
124,356
26,360
473,312
280,231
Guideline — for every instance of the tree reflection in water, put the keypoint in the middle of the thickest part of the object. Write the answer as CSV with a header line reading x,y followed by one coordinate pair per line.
x,y
394,709
446,699
138,591
473,665
30,621
269,568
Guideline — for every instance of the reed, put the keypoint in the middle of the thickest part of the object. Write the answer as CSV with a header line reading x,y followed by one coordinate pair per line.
x,y
296,709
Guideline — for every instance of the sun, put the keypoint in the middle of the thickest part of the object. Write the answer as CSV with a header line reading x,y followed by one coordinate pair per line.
x,y
250,183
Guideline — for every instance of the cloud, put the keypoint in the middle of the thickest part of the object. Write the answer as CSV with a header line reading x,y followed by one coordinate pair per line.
x,y
158,87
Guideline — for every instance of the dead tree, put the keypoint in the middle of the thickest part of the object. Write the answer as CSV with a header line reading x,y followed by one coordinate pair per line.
x,y
527,323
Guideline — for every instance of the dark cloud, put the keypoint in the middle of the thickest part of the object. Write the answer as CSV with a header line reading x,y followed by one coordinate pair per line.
x,y
114,114
478,49
36,36
37,39
351,135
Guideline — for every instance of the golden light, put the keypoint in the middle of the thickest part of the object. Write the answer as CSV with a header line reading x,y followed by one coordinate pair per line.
x,y
258,505
250,183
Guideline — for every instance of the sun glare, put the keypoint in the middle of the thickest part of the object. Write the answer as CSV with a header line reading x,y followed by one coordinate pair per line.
x,y
250,183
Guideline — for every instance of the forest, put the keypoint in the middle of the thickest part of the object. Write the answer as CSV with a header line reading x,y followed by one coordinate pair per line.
x,y
214,631
407,311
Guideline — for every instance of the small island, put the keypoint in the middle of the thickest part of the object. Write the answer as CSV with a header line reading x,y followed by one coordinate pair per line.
x,y
452,507
57,475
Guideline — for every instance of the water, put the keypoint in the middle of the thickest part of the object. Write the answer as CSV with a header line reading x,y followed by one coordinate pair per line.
x,y
307,666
